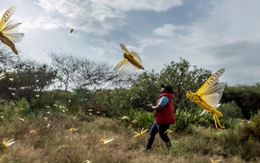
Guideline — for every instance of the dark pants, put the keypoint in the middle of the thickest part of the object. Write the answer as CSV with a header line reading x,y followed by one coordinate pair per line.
x,y
161,129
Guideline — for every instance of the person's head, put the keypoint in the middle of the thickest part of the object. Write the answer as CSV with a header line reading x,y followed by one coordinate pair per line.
x,y
166,88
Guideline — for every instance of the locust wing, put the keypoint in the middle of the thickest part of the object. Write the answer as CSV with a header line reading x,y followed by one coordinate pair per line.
x,y
136,57
125,49
213,95
210,82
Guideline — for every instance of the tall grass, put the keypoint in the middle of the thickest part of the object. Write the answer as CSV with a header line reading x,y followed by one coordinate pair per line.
x,y
48,137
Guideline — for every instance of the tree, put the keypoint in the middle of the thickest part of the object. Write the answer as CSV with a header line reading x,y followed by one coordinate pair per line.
x,y
67,66
7,60
145,89
27,80
246,97
93,74
75,72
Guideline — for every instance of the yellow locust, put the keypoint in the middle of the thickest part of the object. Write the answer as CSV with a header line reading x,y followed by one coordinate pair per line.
x,y
9,30
105,141
140,133
209,95
129,59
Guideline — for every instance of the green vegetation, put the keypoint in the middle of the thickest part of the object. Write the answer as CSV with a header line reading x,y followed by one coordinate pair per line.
x,y
60,113
46,137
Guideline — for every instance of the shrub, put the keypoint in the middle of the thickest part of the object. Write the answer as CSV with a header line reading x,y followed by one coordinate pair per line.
x,y
231,110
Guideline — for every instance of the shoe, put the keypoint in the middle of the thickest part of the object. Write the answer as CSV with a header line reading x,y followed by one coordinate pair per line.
x,y
147,150
169,144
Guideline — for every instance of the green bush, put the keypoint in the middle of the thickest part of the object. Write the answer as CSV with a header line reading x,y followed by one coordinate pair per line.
x,y
13,111
251,129
230,110
250,150
114,102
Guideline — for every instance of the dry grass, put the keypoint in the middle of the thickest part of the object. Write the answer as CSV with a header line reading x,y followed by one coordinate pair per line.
x,y
54,142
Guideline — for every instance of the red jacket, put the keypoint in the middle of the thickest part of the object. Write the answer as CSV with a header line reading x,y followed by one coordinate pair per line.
x,y
166,115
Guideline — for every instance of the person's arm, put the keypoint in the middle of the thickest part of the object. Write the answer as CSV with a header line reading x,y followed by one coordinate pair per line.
x,y
163,101
157,108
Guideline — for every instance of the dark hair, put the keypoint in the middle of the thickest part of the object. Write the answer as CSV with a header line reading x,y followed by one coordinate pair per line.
x,y
168,88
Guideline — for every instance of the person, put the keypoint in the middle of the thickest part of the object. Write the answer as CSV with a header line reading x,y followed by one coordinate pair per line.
x,y
164,116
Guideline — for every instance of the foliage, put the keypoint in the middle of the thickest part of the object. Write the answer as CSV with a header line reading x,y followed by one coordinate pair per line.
x,y
114,102
145,90
251,129
246,97
13,111
27,80
243,139
137,119
230,110
47,137
82,101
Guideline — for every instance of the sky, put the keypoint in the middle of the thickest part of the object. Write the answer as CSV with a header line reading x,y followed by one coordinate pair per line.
x,y
210,34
